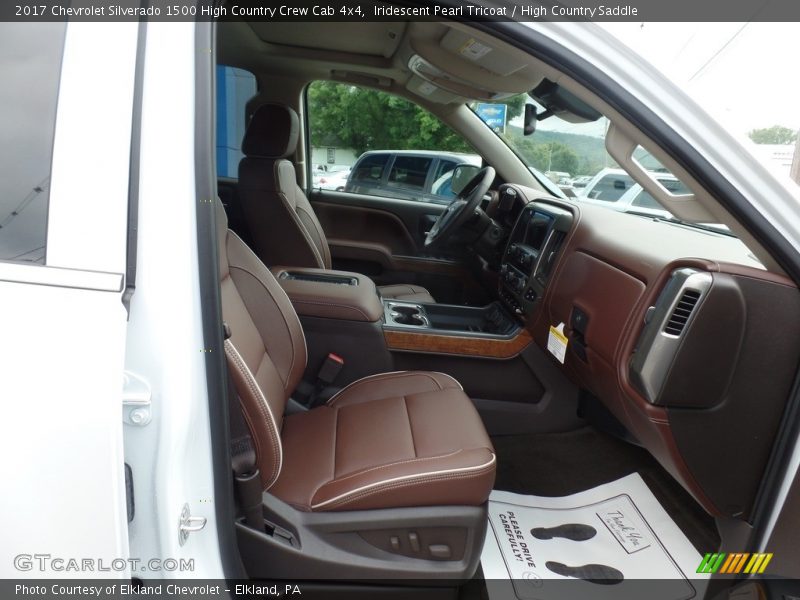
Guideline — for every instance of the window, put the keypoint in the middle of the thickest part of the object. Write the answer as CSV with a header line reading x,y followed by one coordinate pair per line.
x,y
443,180
234,88
644,200
30,69
394,148
610,188
410,172
370,168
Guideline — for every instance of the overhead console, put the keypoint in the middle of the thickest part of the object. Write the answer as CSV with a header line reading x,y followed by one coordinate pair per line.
x,y
532,251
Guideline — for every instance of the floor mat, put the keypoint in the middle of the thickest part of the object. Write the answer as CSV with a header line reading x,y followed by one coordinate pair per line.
x,y
559,464
611,541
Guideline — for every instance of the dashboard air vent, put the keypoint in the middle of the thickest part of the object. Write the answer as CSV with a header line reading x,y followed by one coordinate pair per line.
x,y
681,313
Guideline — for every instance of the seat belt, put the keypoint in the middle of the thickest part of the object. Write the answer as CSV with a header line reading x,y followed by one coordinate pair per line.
x,y
246,475
312,395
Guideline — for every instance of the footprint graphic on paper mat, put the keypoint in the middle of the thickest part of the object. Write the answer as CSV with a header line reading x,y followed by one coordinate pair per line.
x,y
577,532
600,574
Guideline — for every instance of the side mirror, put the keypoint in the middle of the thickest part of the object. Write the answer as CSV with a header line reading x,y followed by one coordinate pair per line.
x,y
529,121
462,175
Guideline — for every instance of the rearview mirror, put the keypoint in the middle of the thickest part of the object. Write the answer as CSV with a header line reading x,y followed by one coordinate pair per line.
x,y
529,122
462,175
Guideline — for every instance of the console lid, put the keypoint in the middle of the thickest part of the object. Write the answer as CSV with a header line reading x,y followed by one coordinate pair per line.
x,y
330,294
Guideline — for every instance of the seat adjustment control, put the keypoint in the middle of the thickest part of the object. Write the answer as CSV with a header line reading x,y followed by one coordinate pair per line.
x,y
441,551
413,539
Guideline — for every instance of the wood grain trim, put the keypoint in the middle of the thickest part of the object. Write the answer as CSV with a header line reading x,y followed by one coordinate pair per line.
x,y
413,341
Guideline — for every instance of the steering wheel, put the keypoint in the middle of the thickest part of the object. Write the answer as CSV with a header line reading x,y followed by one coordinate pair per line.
x,y
461,208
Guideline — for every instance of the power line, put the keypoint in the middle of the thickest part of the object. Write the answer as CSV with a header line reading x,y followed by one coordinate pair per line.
x,y
24,253
25,202
718,52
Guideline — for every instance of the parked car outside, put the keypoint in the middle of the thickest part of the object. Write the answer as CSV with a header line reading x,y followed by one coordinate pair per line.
x,y
608,185
332,181
635,198
422,176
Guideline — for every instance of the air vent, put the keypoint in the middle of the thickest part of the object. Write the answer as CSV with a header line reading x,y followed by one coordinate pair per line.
x,y
681,313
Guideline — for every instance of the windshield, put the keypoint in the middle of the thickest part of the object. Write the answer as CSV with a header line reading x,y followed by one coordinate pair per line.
x,y
572,157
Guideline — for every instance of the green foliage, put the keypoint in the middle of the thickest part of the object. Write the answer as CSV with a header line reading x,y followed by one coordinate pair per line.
x,y
556,151
353,117
363,119
777,134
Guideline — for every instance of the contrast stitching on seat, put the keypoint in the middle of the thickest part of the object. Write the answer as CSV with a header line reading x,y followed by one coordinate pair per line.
x,y
451,378
288,327
389,488
393,374
281,291
292,210
408,480
266,411
323,241
389,466
363,379
410,426
335,442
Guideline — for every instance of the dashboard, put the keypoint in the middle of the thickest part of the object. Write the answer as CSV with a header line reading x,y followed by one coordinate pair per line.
x,y
530,255
673,328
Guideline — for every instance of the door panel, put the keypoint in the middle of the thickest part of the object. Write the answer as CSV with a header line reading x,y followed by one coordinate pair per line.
x,y
383,238
401,219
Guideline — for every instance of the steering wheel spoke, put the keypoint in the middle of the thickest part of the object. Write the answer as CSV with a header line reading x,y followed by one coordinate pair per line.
x,y
460,209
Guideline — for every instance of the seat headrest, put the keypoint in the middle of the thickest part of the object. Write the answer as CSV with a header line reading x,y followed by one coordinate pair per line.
x,y
272,132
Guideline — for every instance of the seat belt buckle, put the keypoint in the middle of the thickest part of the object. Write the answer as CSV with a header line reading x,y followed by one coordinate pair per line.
x,y
330,369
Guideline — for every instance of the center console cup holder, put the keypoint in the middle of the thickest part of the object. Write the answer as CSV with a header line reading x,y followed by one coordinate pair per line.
x,y
408,314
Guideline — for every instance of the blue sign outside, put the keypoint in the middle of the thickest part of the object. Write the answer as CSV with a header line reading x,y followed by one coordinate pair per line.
x,y
494,115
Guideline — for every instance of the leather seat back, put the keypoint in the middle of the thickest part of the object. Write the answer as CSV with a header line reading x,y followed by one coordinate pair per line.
x,y
270,197
267,348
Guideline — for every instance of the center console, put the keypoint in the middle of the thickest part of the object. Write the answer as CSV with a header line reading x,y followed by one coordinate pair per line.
x,y
531,254
341,313
491,321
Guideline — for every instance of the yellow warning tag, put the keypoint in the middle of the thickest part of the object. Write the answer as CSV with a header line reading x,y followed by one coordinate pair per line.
x,y
557,342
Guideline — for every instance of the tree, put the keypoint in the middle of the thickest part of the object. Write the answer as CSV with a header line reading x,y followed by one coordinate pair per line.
x,y
358,118
777,134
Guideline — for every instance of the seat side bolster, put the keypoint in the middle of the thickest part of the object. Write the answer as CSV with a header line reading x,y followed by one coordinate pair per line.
x,y
259,417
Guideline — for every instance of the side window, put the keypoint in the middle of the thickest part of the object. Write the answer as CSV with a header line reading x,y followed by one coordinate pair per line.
x,y
234,88
30,69
409,172
370,169
395,148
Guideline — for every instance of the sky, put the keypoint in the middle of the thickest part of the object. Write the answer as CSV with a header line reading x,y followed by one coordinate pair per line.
x,y
743,74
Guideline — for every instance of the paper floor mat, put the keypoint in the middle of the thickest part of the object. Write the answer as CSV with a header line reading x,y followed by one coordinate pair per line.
x,y
540,548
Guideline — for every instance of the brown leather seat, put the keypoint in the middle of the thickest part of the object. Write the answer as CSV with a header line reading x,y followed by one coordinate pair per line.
x,y
285,228
406,439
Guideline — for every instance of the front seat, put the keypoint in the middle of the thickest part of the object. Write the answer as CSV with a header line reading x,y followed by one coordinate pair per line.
x,y
285,229
390,457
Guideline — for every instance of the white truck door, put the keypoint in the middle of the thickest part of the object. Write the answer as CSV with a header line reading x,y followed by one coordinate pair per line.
x,y
65,121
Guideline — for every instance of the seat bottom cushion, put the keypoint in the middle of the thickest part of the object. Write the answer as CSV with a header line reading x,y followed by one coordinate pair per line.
x,y
406,293
387,441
